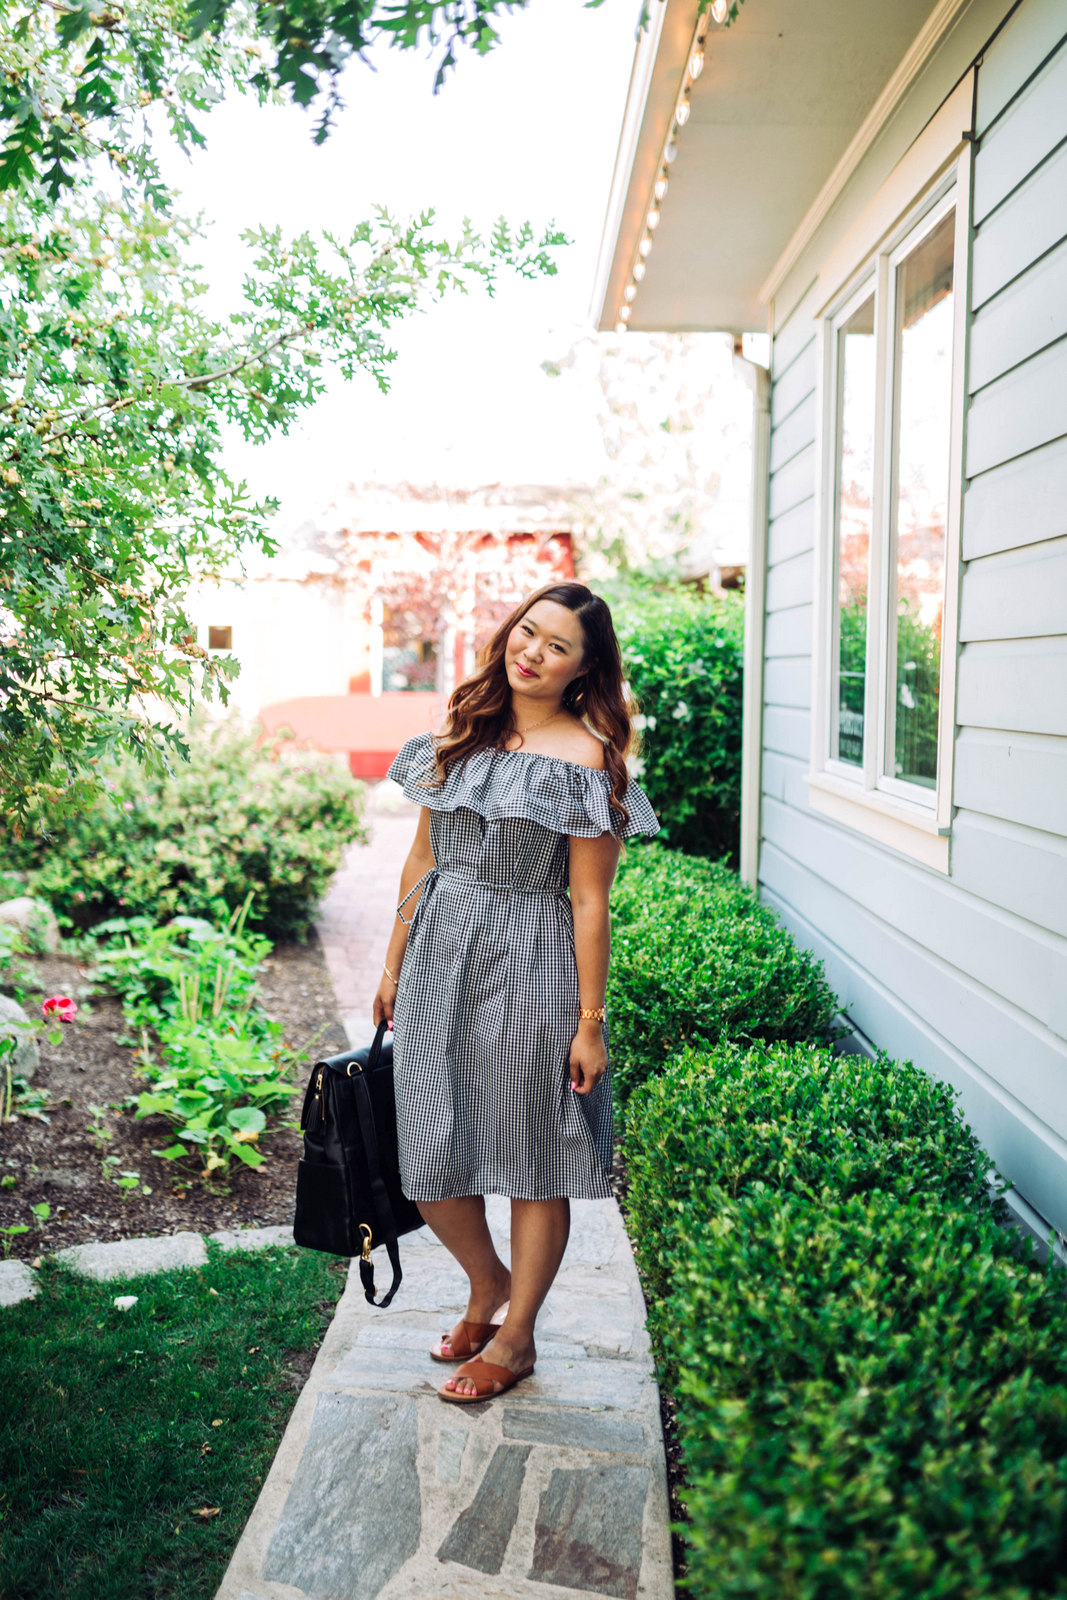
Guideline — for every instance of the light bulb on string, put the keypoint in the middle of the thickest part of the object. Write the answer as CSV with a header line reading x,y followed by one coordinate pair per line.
x,y
620,327
720,10
624,313
681,115
644,247
696,64
639,271
661,187
653,218
630,292
670,152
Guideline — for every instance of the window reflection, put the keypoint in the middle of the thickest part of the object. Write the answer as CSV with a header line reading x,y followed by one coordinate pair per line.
x,y
855,473
924,284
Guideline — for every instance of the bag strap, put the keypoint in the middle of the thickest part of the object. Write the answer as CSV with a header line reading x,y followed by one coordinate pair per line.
x,y
383,1208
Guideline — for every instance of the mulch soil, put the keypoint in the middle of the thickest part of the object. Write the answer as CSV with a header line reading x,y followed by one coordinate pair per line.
x,y
63,1162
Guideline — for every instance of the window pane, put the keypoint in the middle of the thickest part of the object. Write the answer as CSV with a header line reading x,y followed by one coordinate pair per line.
x,y
924,368
855,468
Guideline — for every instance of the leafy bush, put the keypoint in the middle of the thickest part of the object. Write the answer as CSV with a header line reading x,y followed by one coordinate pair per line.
x,y
236,818
794,1118
873,1401
684,657
216,1090
221,1066
871,1386
188,969
694,957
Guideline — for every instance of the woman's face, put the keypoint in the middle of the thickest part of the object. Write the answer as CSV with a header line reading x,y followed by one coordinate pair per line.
x,y
548,642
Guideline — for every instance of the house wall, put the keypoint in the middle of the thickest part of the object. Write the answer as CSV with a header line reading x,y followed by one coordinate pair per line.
x,y
291,639
965,974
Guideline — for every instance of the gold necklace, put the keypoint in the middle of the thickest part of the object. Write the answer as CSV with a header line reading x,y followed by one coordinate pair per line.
x,y
522,732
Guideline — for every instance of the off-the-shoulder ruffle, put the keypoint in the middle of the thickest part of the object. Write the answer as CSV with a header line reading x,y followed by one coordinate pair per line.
x,y
561,795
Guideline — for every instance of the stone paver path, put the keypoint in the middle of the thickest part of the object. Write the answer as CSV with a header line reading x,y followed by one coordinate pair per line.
x,y
380,1489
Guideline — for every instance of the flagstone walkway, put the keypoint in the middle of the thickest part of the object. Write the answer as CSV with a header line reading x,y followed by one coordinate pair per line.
x,y
380,1489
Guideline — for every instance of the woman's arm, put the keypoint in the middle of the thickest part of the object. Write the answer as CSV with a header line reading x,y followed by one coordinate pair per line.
x,y
592,870
419,861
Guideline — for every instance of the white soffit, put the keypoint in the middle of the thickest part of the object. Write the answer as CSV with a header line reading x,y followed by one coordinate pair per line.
x,y
784,91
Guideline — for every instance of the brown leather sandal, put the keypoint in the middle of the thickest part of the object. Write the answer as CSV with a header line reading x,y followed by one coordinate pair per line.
x,y
473,1336
489,1381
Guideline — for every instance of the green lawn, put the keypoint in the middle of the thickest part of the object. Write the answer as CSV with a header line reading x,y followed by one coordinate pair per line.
x,y
118,1427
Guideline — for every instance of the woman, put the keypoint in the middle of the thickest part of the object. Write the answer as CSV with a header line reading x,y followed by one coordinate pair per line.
x,y
494,985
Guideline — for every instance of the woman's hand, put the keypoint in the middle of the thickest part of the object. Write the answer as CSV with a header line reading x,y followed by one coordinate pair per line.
x,y
384,1001
589,1058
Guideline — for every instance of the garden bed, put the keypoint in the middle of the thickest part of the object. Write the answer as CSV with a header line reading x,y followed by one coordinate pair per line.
x,y
63,1163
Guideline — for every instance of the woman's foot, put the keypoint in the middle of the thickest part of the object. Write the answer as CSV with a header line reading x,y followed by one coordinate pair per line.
x,y
503,1350
486,1309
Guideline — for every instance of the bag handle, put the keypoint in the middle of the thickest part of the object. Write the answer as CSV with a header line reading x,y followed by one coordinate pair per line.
x,y
365,1113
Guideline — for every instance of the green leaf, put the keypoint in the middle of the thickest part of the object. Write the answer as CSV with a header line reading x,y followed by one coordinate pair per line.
x,y
248,1154
247,1119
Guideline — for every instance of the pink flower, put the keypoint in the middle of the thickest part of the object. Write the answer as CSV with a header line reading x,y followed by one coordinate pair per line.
x,y
127,805
61,1006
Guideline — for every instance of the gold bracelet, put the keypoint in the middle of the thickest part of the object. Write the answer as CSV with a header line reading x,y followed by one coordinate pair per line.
x,y
389,975
591,1013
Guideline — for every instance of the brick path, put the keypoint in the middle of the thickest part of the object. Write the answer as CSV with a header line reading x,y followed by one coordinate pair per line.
x,y
357,915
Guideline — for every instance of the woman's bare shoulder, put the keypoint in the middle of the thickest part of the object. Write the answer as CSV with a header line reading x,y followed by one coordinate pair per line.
x,y
578,743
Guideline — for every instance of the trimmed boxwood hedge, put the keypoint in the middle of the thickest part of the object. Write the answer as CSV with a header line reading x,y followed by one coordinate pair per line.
x,y
871,1374
695,957
793,1119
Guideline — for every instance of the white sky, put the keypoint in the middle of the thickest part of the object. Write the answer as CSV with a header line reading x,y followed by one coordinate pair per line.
x,y
529,131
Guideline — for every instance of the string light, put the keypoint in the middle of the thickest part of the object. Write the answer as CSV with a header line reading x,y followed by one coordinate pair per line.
x,y
720,10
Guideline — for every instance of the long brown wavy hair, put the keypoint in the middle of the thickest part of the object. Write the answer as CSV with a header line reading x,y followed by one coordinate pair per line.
x,y
480,714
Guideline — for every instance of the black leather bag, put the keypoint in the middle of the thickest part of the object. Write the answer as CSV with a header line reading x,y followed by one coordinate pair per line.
x,y
348,1194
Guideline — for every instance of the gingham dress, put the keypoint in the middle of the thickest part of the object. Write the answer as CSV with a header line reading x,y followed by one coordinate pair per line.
x,y
487,1001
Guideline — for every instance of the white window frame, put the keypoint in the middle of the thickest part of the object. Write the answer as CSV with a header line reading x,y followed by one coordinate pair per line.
x,y
933,176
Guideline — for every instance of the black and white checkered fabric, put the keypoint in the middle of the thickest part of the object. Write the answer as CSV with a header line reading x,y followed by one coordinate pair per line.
x,y
487,1001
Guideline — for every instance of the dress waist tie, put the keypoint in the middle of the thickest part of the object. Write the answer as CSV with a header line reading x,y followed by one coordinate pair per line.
x,y
407,921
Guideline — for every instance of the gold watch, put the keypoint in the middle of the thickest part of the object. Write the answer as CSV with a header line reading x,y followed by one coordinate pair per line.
x,y
591,1013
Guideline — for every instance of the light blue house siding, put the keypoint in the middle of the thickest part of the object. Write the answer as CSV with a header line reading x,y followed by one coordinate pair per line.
x,y
964,973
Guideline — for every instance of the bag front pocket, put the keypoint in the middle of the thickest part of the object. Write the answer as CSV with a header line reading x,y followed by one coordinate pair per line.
x,y
321,1221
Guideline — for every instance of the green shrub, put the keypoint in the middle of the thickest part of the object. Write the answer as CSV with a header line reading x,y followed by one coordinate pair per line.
x,y
870,1374
694,957
872,1401
684,658
236,818
187,969
193,989
796,1119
